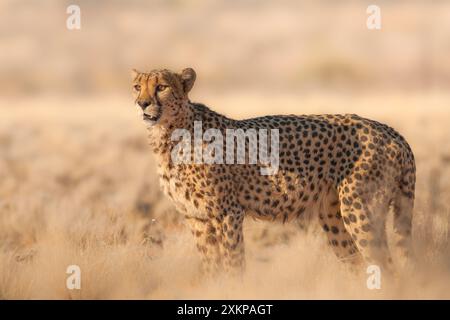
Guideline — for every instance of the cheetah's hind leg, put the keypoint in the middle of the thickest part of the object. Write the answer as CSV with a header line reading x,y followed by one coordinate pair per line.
x,y
403,210
339,238
364,215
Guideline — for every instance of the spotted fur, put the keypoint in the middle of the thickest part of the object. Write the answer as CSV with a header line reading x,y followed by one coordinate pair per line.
x,y
345,169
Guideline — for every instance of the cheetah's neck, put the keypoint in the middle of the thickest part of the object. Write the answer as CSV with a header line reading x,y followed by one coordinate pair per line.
x,y
160,135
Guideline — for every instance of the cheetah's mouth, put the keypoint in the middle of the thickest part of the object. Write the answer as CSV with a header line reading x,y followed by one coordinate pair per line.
x,y
152,119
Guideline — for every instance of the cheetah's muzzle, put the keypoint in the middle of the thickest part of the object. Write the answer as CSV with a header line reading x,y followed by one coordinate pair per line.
x,y
152,119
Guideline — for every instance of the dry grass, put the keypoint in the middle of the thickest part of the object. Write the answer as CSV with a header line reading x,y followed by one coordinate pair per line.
x,y
77,186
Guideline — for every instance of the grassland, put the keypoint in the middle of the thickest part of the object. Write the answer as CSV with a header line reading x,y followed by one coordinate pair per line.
x,y
78,186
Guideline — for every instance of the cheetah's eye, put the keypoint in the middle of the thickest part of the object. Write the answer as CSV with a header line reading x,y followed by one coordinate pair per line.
x,y
137,87
161,87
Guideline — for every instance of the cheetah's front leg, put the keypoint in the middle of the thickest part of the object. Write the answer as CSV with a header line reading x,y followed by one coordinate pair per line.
x,y
232,243
207,236
220,243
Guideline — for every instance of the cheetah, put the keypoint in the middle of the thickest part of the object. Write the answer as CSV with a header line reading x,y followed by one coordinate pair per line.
x,y
346,170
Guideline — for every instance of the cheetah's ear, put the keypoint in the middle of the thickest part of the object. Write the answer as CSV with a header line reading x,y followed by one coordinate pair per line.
x,y
187,79
134,73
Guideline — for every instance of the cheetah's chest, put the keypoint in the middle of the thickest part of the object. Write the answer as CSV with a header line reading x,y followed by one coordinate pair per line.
x,y
181,191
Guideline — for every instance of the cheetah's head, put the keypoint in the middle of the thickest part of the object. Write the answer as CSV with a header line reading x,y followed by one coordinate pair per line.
x,y
162,94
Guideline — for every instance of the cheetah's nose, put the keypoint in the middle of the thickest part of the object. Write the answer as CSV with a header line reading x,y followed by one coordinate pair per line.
x,y
143,104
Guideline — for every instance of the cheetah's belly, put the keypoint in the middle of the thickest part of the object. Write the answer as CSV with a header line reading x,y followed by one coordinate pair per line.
x,y
275,202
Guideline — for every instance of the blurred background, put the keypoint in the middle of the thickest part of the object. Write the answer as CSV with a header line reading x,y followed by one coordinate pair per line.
x,y
292,46
77,180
